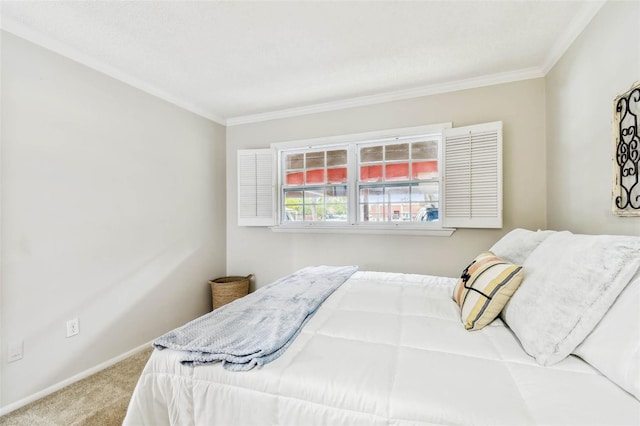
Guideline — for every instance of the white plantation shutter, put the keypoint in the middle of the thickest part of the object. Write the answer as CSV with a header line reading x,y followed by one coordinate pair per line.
x,y
255,187
473,176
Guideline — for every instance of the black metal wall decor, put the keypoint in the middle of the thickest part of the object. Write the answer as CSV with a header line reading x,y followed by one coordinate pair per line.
x,y
626,145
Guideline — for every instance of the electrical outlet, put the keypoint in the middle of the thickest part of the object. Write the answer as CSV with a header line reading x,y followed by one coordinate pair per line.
x,y
72,327
15,351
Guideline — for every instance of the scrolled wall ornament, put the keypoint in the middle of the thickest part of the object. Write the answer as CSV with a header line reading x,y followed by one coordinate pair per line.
x,y
626,164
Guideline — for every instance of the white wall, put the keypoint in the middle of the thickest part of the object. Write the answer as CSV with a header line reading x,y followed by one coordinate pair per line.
x,y
602,63
519,105
112,212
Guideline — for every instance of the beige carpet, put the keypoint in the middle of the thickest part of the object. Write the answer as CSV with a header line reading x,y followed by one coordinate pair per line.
x,y
99,400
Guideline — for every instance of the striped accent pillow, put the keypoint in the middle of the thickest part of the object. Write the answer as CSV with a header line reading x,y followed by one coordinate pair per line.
x,y
486,285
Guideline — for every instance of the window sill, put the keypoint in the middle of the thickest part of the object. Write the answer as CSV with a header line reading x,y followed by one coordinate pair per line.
x,y
366,229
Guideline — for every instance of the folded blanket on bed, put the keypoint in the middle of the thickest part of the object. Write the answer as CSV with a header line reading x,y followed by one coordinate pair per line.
x,y
257,328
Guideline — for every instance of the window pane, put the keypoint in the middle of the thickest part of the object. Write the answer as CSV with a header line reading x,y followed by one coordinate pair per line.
x,y
293,206
336,204
313,196
296,178
337,158
425,192
372,195
373,213
294,161
371,173
400,194
314,160
397,152
397,171
427,213
426,196
315,177
313,205
337,194
294,196
399,203
337,175
369,154
400,212
427,150
372,204
293,214
425,170
336,213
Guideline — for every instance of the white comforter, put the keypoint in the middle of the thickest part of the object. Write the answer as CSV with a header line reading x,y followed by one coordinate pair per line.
x,y
385,349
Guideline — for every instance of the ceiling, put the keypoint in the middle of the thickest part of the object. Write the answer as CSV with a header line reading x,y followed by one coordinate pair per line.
x,y
242,61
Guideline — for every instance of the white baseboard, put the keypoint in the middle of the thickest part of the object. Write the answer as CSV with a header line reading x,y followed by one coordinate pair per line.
x,y
83,375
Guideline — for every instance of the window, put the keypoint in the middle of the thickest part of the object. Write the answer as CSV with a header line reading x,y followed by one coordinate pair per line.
x,y
424,178
314,185
399,181
364,182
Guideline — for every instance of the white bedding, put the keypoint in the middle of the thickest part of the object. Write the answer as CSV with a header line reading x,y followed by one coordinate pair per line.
x,y
385,349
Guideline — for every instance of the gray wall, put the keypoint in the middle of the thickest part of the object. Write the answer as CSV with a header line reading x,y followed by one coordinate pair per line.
x,y
602,63
519,105
112,212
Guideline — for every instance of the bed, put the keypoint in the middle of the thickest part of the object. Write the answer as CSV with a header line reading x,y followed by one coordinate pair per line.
x,y
394,349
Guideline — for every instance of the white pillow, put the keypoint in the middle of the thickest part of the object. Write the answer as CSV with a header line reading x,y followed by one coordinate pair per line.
x,y
516,246
570,283
613,347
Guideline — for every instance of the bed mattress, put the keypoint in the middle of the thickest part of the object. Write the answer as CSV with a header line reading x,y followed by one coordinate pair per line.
x,y
385,349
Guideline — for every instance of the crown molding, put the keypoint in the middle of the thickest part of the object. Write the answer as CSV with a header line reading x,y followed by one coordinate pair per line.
x,y
560,47
11,26
575,28
434,89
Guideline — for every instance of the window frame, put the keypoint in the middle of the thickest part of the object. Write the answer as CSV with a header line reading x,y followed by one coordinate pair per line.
x,y
353,142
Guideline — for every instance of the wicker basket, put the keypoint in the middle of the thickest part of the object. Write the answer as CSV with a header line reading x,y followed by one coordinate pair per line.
x,y
227,289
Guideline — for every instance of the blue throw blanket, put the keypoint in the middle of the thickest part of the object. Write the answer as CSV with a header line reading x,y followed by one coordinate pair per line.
x,y
257,328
